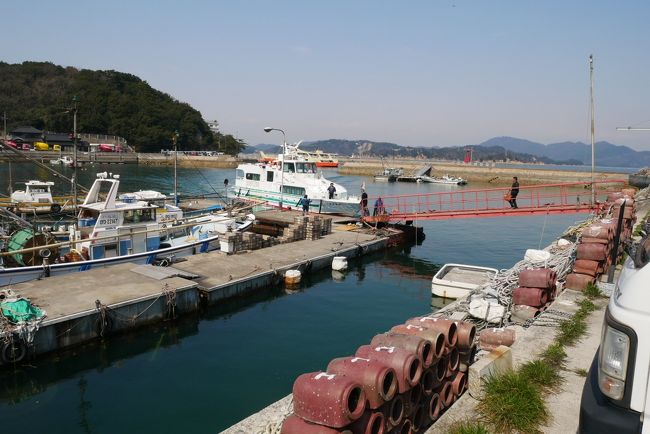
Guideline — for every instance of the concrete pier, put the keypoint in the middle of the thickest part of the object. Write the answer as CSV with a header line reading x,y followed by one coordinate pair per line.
x,y
86,305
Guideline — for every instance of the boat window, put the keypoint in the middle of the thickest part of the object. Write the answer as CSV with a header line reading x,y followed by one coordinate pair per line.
x,y
240,173
139,215
269,176
298,191
289,167
253,176
305,168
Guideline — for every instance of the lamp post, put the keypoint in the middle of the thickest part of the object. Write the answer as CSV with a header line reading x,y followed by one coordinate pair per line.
x,y
284,145
75,100
593,152
175,140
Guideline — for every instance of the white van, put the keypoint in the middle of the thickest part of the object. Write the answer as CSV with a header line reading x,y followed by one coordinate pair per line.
x,y
615,395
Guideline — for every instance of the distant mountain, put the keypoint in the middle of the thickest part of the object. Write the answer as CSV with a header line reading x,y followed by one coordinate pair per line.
x,y
390,150
495,149
607,154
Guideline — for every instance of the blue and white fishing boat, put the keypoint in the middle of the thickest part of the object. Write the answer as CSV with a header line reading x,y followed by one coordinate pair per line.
x,y
113,231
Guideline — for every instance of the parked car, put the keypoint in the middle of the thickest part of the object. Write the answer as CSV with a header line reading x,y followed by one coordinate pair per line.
x,y
41,146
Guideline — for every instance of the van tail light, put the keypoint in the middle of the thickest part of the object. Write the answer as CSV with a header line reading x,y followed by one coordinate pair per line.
x,y
612,363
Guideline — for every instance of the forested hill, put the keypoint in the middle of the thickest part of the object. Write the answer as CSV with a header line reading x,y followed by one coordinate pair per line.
x,y
109,102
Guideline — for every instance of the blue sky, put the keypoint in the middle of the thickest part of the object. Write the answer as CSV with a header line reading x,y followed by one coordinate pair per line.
x,y
422,73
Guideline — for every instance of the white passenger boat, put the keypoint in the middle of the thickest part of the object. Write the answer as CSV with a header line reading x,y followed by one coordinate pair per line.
x,y
458,280
112,231
287,179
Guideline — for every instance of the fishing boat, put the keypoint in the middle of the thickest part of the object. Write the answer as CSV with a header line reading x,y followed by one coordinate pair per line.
x,y
389,174
112,231
444,179
458,280
282,182
35,198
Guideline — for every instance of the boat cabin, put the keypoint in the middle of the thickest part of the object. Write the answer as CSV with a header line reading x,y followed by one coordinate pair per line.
x,y
35,192
116,227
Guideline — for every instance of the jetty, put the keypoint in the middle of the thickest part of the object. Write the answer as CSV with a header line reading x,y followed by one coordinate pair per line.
x,y
97,303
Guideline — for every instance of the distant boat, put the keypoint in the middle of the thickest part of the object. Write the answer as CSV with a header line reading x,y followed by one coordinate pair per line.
x,y
444,179
389,174
458,280
63,161
36,197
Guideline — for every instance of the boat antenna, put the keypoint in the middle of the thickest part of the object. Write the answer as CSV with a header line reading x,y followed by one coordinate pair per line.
x,y
593,153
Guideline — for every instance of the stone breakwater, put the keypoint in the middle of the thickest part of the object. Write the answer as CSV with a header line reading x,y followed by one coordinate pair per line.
x,y
219,162
483,174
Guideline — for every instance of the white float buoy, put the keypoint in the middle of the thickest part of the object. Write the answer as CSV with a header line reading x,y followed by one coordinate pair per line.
x,y
291,277
339,263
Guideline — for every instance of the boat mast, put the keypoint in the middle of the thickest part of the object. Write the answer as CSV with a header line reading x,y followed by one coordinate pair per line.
x,y
593,153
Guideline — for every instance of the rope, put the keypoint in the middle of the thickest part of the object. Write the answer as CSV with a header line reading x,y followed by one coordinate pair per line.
x,y
170,296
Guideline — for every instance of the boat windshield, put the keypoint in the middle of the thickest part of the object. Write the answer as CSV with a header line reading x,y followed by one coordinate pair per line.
x,y
305,167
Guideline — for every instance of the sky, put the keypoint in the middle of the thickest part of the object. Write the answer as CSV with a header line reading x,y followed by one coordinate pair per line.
x,y
418,72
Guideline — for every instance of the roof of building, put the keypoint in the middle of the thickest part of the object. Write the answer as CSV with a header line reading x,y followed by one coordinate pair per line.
x,y
26,130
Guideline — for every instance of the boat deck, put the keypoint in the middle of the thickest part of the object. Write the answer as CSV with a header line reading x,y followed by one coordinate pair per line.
x,y
466,275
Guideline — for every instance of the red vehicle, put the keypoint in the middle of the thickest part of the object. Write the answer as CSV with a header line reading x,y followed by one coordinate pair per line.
x,y
109,147
11,143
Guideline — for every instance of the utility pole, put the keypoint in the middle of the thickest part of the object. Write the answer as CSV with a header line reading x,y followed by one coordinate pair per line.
x,y
4,119
593,128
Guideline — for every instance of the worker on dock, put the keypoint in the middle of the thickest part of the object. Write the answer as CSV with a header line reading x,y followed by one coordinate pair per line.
x,y
514,191
364,203
379,207
331,190
304,201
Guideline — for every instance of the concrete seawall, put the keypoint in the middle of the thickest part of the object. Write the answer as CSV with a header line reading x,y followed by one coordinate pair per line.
x,y
472,173
219,162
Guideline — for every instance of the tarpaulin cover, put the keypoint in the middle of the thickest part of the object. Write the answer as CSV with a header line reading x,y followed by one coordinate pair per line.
x,y
20,310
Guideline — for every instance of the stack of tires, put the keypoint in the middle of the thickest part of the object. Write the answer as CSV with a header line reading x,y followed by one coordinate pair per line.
x,y
400,383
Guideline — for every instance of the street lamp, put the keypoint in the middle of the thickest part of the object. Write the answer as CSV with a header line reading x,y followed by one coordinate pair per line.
x,y
175,140
593,152
284,145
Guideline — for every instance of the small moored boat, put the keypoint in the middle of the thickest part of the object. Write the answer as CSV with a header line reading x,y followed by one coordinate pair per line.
x,y
458,280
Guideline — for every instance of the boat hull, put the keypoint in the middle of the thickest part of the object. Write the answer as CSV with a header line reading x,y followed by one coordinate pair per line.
x,y
14,275
327,164
458,280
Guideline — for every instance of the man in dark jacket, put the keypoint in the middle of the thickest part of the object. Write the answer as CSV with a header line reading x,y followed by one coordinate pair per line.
x,y
331,190
514,191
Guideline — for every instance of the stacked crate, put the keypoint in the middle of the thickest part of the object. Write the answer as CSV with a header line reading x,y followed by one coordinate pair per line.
x,y
314,229
402,382
251,241
326,226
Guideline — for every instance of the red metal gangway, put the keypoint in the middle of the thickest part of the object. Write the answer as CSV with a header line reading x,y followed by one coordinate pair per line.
x,y
565,198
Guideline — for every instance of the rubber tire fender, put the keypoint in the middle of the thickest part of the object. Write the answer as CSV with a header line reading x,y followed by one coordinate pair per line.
x,y
14,351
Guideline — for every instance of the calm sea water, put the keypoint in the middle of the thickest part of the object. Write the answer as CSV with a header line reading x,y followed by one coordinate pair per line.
x,y
205,372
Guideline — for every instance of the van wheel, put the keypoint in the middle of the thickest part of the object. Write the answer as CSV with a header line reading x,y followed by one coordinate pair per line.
x,y
55,208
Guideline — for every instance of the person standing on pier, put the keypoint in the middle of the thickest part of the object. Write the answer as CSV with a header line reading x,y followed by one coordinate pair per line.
x,y
514,191
304,201
379,207
331,190
364,203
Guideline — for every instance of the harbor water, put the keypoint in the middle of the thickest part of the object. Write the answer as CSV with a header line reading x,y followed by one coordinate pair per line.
x,y
205,372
